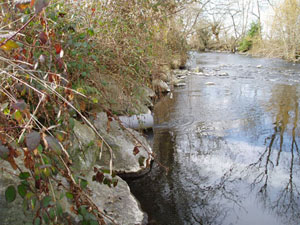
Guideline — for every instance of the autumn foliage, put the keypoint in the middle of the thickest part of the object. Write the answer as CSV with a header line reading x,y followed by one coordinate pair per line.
x,y
60,61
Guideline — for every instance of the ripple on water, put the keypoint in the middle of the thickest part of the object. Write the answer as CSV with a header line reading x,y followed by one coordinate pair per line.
x,y
232,148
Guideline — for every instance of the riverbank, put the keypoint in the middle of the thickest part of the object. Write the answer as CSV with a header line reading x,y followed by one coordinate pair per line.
x,y
68,70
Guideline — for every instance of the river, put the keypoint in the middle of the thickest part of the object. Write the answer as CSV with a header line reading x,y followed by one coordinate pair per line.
x,y
230,139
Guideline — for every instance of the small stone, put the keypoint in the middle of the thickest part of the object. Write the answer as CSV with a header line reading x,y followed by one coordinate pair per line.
x,y
259,66
161,84
180,85
209,83
197,70
224,74
181,77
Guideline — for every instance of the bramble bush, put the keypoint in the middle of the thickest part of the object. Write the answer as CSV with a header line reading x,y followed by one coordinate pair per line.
x,y
60,60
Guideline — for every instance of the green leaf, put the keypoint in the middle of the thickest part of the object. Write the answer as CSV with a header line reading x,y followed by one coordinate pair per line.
x,y
69,195
71,123
33,140
40,148
91,32
45,218
4,152
37,221
24,175
33,203
29,195
6,111
95,100
46,201
93,222
22,190
82,211
10,194
59,210
18,116
82,36
83,183
52,213
9,45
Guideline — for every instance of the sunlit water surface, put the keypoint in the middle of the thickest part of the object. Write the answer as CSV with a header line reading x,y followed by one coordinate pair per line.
x,y
232,147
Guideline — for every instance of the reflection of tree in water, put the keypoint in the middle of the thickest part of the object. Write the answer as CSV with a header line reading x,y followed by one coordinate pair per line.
x,y
205,200
283,141
210,207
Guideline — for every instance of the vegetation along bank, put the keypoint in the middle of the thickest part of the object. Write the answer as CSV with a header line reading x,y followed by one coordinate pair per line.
x,y
70,68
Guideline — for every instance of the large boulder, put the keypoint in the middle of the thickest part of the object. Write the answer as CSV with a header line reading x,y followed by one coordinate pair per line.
x,y
11,213
118,203
125,159
84,151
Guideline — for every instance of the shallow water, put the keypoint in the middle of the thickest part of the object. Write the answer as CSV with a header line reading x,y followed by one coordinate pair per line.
x,y
232,147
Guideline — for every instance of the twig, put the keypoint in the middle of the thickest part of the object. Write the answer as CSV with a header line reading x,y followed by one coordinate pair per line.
x,y
18,31
29,121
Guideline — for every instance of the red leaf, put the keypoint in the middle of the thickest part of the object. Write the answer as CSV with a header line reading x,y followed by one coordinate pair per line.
x,y
32,3
43,37
12,162
28,160
57,48
60,63
136,150
99,177
22,6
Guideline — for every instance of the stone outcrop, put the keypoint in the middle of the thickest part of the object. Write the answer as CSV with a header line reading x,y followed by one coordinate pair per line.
x,y
118,203
122,144
11,213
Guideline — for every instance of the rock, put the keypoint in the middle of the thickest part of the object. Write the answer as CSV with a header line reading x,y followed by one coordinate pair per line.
x,y
199,74
148,92
209,83
12,213
142,106
122,144
84,151
181,77
180,84
166,77
177,71
259,66
176,61
161,85
197,70
223,74
118,203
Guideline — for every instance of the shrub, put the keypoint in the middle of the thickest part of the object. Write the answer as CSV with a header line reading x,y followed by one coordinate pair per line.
x,y
247,41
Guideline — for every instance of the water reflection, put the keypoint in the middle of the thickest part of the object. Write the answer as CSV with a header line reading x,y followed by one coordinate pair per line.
x,y
282,151
232,148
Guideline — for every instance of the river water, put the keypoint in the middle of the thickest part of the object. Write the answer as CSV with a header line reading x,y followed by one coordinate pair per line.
x,y
230,138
